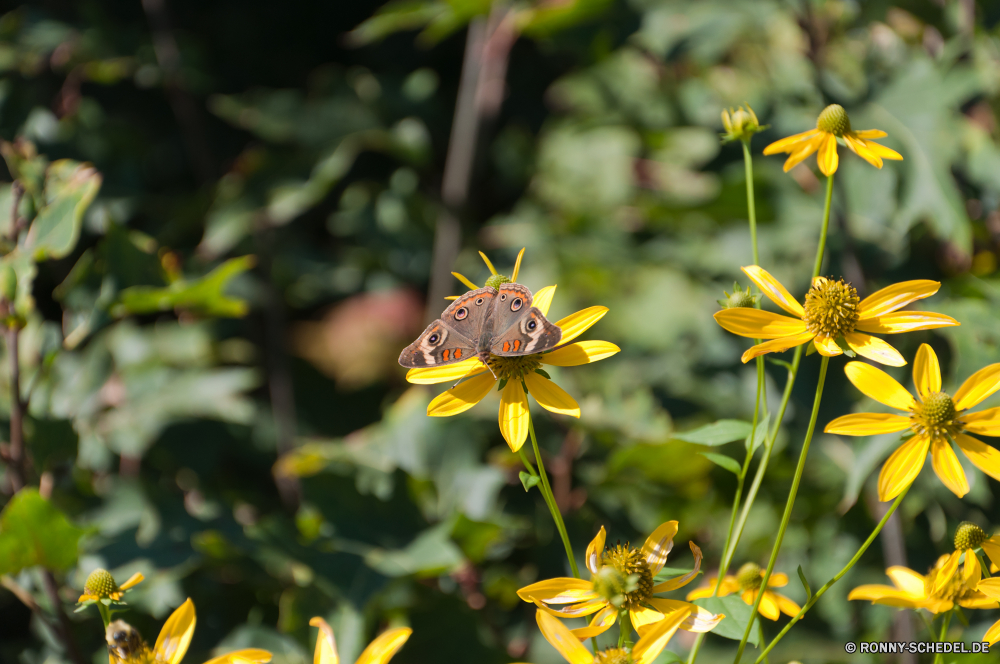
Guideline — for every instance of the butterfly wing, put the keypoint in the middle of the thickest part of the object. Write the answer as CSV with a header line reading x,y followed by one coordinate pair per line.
x,y
518,327
453,337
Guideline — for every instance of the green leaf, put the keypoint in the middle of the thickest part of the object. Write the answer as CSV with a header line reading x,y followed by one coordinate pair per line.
x,y
528,480
205,296
738,615
430,554
722,460
668,573
34,532
70,187
716,433
760,435
805,584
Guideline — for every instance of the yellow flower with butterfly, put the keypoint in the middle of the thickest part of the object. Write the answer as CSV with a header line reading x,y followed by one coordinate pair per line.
x,y
498,335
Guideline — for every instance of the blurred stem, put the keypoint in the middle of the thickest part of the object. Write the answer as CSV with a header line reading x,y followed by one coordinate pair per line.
x,y
938,658
823,230
763,643
930,625
751,207
850,564
105,614
624,629
550,499
790,503
17,466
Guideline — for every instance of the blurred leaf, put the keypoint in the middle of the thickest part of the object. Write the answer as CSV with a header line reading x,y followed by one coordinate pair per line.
x,y
738,615
527,480
69,187
34,532
805,584
205,296
728,463
430,554
716,433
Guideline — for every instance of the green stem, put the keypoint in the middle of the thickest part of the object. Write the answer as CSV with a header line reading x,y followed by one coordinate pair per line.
x,y
790,503
823,230
751,207
624,629
850,564
944,632
105,613
550,499
763,643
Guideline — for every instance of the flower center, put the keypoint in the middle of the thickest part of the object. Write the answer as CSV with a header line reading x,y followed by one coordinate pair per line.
x,y
834,120
101,584
514,368
632,581
935,416
831,308
613,656
969,536
749,576
496,280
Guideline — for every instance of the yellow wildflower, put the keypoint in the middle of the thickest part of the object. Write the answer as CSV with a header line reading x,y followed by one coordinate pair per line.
x,y
832,124
101,585
622,579
740,125
378,651
935,418
833,311
747,582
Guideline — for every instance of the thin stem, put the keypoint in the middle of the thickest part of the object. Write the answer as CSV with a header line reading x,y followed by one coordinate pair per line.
x,y
763,643
550,498
944,632
929,624
751,207
823,229
105,614
790,503
17,466
829,584
624,629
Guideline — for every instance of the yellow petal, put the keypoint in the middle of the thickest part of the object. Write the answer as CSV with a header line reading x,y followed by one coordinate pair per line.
x,y
595,550
517,264
947,566
902,467
785,605
990,587
462,397
576,324
656,639
870,133
790,143
578,610
600,623
879,594
777,580
550,396
758,324
513,415
543,300
827,161
947,467
827,346
488,263
245,656
446,374
773,289
561,590
562,639
985,422
175,637
991,548
905,321
926,371
326,644
465,281
777,345
681,581
703,591
658,545
874,349
906,579
385,646
805,149
984,457
883,152
132,581
895,297
699,619
859,148
992,635
768,606
878,385
977,387
867,424
581,352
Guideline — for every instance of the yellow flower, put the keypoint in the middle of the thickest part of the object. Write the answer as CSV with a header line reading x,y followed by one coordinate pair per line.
x,y
833,311
378,651
622,579
747,582
934,418
650,644
740,125
172,644
991,588
101,585
943,587
518,373
832,124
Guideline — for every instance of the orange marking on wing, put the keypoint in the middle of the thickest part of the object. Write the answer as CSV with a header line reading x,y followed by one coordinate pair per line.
x,y
444,355
517,344
458,354
506,346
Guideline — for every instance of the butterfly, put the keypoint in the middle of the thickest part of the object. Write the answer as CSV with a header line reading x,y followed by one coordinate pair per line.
x,y
483,322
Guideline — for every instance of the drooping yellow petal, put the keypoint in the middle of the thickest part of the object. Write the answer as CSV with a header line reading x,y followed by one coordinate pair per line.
x,y
990,587
595,550
887,595
991,548
600,623
790,143
870,133
385,646
768,606
902,467
948,468
896,296
777,580
802,153
578,610
905,321
550,396
758,324
326,644
827,161
488,263
992,635
517,264
513,414
984,457
878,385
703,591
785,605
175,637
699,619
581,352
874,349
244,656
543,300
977,387
985,422
681,581
858,147
462,397
562,639
773,289
926,371
658,545
777,345
946,566
446,374
576,324
656,639
464,280
561,590
906,580
882,151
827,346
132,581
867,424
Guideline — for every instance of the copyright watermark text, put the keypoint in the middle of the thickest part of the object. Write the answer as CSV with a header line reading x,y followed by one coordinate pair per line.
x,y
916,647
